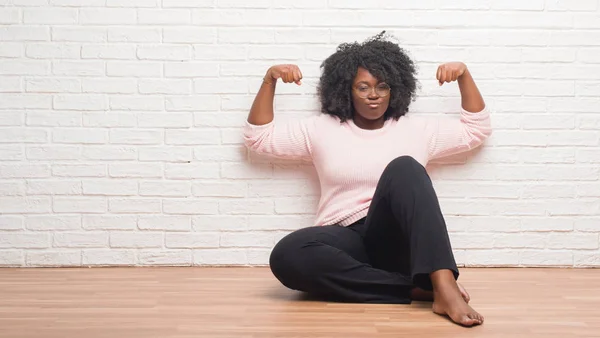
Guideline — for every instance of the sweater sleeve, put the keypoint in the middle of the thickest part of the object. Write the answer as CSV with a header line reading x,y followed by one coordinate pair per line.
x,y
288,139
449,136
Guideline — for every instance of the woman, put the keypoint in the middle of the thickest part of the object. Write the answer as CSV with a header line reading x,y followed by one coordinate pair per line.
x,y
379,235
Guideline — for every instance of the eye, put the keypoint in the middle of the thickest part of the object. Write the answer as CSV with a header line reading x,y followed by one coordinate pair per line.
x,y
363,88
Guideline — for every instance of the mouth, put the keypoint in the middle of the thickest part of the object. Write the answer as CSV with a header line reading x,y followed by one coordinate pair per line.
x,y
373,105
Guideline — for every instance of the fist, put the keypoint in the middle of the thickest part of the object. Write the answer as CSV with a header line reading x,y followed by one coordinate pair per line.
x,y
451,71
287,73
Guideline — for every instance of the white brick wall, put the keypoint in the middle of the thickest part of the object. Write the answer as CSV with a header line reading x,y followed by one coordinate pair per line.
x,y
120,126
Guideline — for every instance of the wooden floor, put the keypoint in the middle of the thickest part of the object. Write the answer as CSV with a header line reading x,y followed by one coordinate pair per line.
x,y
249,302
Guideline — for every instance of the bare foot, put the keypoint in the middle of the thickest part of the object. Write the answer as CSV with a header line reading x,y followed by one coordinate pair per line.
x,y
448,301
419,294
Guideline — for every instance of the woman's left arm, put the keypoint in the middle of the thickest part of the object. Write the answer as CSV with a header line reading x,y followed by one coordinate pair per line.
x,y
471,98
448,136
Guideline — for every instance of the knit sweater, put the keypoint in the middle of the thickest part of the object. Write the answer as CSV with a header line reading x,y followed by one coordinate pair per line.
x,y
349,160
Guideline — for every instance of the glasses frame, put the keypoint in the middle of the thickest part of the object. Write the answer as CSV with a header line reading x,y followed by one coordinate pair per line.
x,y
373,89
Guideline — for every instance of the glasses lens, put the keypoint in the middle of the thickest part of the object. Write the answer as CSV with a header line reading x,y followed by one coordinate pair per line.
x,y
382,90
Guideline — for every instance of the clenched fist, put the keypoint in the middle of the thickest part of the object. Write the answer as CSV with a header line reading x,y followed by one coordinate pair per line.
x,y
287,73
451,71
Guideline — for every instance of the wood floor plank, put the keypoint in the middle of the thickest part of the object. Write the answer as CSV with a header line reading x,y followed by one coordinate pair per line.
x,y
249,302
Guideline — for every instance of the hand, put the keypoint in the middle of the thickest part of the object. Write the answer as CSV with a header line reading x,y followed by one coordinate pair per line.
x,y
451,71
287,73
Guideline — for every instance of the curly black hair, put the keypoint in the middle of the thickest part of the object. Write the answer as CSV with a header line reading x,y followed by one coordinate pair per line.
x,y
386,60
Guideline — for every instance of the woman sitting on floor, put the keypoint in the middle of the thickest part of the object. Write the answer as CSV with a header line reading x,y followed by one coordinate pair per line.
x,y
379,235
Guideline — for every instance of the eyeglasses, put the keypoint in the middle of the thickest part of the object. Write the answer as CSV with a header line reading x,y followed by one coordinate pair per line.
x,y
363,91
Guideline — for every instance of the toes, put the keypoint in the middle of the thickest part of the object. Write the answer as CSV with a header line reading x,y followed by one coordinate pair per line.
x,y
466,321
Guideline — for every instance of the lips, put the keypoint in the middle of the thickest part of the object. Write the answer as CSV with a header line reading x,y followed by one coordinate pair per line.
x,y
373,105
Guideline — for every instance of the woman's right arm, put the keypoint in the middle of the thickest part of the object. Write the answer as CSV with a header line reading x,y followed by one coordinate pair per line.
x,y
262,109
284,139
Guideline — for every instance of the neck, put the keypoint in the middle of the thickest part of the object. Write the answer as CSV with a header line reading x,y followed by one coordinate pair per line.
x,y
364,123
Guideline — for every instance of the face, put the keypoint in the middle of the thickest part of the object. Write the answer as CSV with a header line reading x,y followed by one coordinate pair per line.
x,y
370,96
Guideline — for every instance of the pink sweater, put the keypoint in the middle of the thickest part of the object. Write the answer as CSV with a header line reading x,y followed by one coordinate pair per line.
x,y
349,160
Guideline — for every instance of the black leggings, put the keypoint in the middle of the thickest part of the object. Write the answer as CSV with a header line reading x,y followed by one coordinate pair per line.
x,y
380,258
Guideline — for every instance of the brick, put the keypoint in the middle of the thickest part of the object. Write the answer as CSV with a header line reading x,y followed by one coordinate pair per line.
x,y
107,16
132,3
165,120
53,223
133,69
188,171
106,257
219,223
12,258
9,223
80,102
24,67
109,119
54,258
219,189
191,69
109,222
246,171
80,135
193,137
547,155
164,52
109,153
577,5
192,103
78,68
295,205
23,135
209,257
81,34
134,205
53,51
53,85
165,257
165,86
10,16
137,103
222,119
78,3
588,190
187,3
79,170
246,207
135,170
80,240
278,222
546,224
166,223
189,207
112,187
53,119
537,190
247,239
221,86
91,205
259,257
246,35
165,188
53,187
521,240
136,240
587,259
189,35
49,16
243,4
546,258
54,152
24,33
11,152
219,52
22,240
134,34
118,52
165,154
193,240
24,171
587,88
164,17
10,84
232,136
135,136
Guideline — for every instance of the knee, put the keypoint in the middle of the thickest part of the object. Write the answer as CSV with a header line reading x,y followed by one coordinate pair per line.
x,y
404,167
287,260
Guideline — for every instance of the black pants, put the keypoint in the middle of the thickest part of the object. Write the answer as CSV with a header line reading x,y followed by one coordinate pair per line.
x,y
380,258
